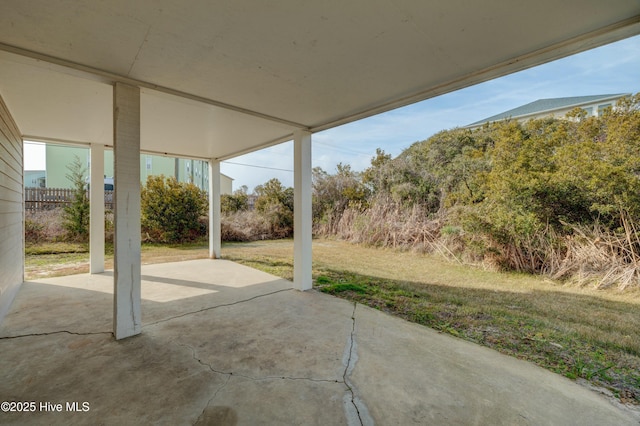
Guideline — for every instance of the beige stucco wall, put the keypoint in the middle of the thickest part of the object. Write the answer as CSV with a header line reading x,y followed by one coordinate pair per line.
x,y
11,209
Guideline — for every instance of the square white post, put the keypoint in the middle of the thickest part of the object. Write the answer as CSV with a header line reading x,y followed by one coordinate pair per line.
x,y
126,152
302,214
96,215
215,235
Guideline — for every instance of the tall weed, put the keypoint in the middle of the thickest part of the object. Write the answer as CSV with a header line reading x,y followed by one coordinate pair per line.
x,y
250,225
601,258
386,223
44,226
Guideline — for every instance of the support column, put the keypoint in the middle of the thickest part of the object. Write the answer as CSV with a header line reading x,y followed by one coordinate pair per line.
x,y
302,214
96,215
126,152
215,235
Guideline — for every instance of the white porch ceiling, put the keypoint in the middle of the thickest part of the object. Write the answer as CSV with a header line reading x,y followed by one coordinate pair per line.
x,y
221,78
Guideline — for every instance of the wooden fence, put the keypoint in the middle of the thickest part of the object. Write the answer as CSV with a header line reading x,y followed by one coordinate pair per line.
x,y
51,198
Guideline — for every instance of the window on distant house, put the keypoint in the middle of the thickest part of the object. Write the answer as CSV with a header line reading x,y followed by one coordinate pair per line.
x,y
589,111
602,108
148,163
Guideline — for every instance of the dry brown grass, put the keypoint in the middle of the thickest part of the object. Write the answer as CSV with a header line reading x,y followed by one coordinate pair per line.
x,y
589,257
249,226
44,226
387,224
601,259
409,266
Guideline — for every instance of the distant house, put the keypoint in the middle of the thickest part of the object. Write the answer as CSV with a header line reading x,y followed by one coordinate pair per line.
x,y
34,178
59,157
554,107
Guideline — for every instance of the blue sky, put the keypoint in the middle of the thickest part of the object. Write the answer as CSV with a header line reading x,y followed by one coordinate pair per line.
x,y
614,68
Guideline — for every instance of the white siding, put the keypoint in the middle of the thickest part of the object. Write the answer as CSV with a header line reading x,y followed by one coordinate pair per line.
x,y
11,210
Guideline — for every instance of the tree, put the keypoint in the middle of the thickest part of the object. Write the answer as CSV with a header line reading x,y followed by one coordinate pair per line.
x,y
76,214
332,194
275,203
238,201
428,172
373,176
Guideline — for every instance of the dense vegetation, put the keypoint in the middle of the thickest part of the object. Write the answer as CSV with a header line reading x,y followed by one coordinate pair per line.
x,y
270,218
551,196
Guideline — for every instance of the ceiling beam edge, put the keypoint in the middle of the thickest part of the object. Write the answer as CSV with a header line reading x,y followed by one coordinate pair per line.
x,y
111,78
268,144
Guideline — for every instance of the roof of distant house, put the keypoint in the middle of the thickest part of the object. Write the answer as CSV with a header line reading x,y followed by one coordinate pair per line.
x,y
547,105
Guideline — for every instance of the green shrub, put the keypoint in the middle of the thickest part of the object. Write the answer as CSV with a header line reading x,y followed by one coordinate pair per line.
x,y
171,210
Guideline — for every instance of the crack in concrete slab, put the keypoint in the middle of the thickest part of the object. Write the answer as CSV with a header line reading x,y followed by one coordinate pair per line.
x,y
211,399
230,374
201,362
50,333
216,307
351,356
255,379
349,366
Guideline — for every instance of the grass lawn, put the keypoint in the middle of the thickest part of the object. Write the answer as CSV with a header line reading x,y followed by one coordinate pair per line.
x,y
577,332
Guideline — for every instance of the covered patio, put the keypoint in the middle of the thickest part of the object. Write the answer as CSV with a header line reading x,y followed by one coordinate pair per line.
x,y
223,344
219,343
218,79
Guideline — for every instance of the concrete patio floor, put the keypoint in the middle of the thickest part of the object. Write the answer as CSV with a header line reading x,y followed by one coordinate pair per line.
x,y
223,344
